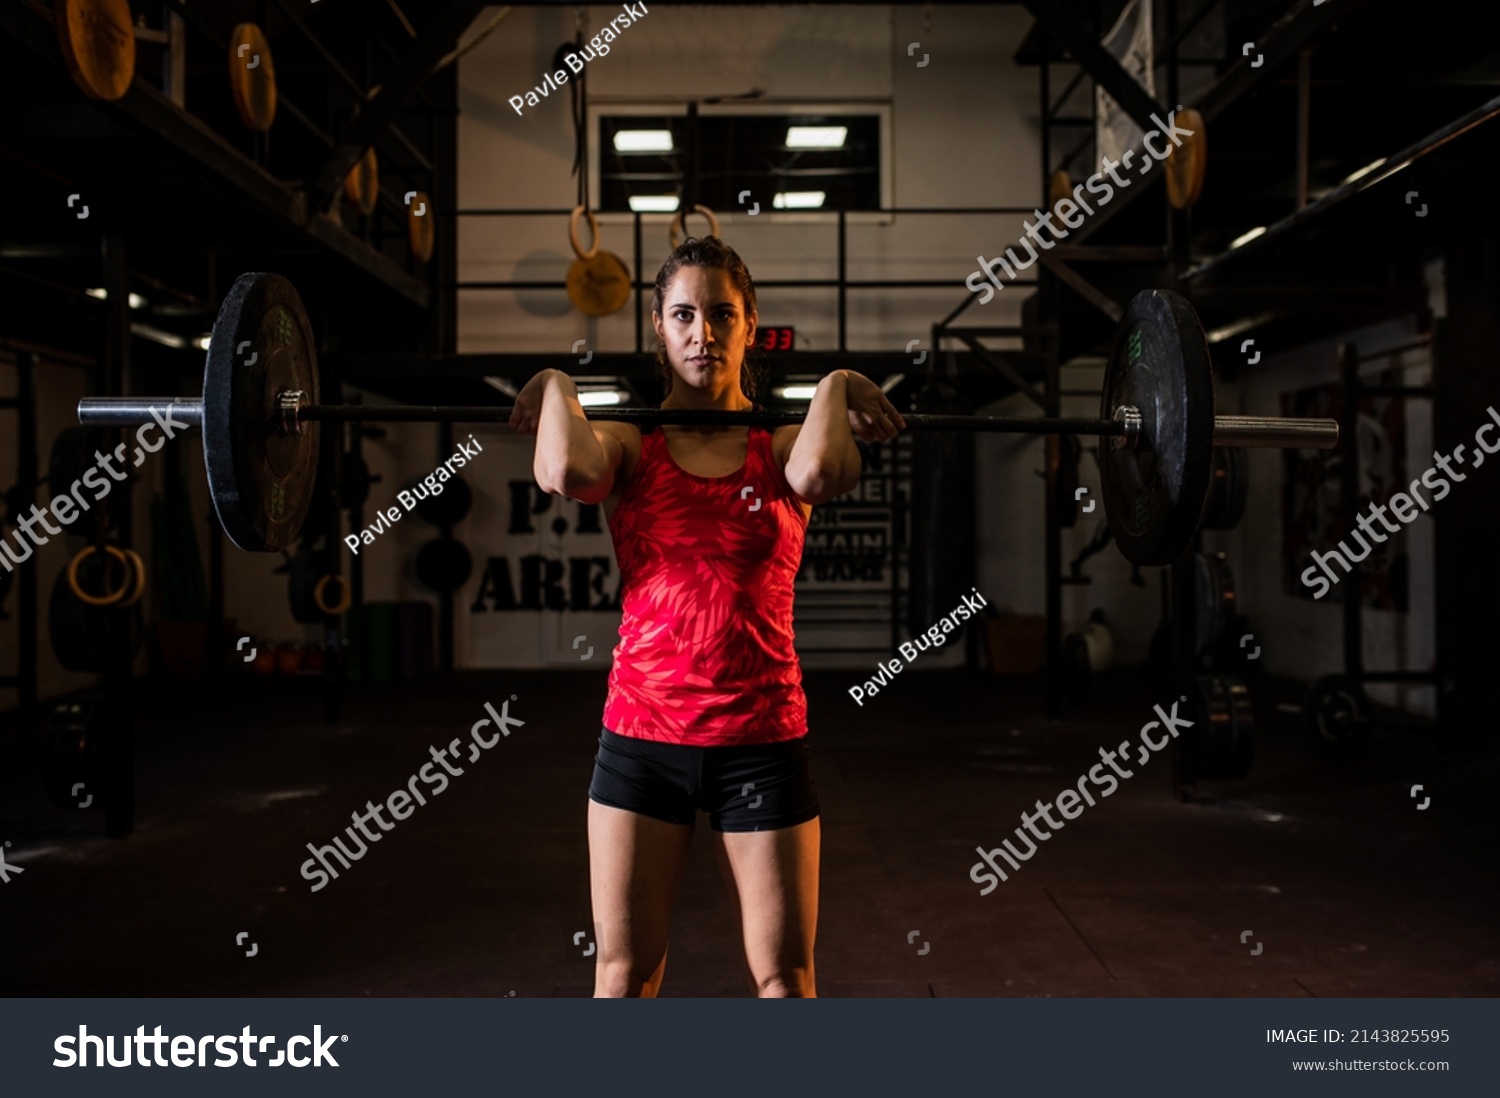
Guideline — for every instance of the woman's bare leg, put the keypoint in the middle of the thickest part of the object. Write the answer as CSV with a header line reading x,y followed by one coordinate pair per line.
x,y
775,884
635,864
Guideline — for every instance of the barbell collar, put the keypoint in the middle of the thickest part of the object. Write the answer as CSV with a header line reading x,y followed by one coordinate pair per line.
x,y
1125,430
1128,416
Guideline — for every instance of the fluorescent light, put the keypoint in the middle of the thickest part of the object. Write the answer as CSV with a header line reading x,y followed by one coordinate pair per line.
x,y
1366,170
597,398
505,385
891,382
632,141
136,300
654,203
798,200
1245,238
816,137
795,392
203,342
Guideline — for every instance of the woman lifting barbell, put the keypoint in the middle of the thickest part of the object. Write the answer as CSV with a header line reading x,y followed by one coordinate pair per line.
x,y
705,709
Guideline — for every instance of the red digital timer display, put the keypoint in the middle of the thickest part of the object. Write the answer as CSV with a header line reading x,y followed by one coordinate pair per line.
x,y
777,339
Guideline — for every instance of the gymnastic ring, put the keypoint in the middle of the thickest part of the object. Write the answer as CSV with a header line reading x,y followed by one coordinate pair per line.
x,y
593,232
93,600
344,599
139,566
679,223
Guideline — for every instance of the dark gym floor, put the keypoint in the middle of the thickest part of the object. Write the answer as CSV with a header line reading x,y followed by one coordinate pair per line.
x,y
1348,887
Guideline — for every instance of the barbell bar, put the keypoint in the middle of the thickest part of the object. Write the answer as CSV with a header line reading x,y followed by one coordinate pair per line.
x,y
294,411
259,416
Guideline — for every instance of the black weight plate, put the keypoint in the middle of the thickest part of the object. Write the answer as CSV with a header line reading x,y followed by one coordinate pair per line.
x,y
442,565
1228,490
1214,612
448,506
1223,742
74,754
261,482
1154,494
1336,716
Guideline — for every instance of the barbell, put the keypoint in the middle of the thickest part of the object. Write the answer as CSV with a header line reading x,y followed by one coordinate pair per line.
x,y
259,417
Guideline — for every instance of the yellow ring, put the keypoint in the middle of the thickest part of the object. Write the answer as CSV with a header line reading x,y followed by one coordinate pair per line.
x,y
593,231
92,600
344,600
679,223
140,580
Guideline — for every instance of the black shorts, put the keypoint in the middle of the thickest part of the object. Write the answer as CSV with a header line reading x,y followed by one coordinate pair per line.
x,y
754,787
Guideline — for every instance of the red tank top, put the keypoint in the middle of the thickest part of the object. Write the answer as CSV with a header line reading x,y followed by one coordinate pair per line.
x,y
706,652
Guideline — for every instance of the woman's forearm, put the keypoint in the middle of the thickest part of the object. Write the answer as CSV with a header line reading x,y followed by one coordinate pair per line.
x,y
824,461
568,456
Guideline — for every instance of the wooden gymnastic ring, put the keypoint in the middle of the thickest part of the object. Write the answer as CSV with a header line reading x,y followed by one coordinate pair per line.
x,y
679,223
593,231
140,580
344,600
82,595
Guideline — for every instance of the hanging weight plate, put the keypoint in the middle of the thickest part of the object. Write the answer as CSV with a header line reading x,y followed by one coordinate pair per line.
x,y
442,565
448,507
1336,716
97,44
362,184
261,481
1187,163
421,231
599,284
252,77
1154,493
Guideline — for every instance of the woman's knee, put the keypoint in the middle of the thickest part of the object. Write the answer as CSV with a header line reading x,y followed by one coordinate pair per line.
x,y
625,979
788,983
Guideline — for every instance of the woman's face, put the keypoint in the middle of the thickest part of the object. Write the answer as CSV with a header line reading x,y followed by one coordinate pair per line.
x,y
704,329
